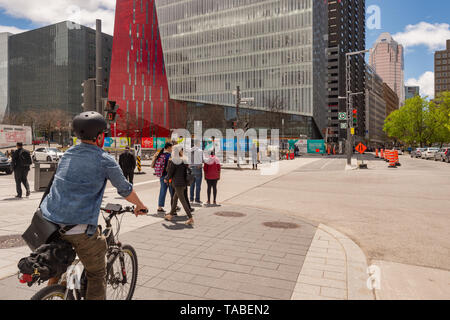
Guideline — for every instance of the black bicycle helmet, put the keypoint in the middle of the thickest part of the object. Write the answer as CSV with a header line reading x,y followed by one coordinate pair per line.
x,y
88,125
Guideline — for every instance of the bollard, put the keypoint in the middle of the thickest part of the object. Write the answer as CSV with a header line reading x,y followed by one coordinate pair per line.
x,y
376,153
139,166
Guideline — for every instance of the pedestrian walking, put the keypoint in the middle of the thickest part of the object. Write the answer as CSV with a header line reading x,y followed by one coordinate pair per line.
x,y
161,164
177,172
21,162
254,156
212,170
127,162
197,172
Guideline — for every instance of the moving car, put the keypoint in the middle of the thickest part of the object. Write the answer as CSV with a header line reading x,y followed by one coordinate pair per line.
x,y
417,153
47,154
5,164
442,155
429,153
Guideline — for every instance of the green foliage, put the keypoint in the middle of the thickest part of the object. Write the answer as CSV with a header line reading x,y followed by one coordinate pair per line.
x,y
421,122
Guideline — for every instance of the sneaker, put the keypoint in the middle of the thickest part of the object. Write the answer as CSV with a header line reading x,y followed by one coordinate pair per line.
x,y
28,193
161,210
18,197
190,222
199,202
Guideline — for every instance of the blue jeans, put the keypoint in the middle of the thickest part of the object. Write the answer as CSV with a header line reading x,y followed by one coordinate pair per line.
x,y
163,192
197,185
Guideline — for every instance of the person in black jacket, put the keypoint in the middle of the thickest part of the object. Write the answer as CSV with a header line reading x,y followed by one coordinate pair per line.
x,y
21,162
127,163
177,176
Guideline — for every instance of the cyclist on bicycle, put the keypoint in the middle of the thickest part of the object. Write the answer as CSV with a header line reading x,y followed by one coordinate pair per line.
x,y
76,196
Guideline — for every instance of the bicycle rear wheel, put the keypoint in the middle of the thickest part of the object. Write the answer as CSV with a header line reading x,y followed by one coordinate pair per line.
x,y
54,292
122,268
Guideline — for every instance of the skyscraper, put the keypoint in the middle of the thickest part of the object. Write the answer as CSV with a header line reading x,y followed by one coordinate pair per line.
x,y
386,57
442,70
4,84
346,31
194,54
48,65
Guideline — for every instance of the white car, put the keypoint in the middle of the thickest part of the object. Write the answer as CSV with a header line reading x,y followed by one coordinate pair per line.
x,y
429,153
47,154
400,151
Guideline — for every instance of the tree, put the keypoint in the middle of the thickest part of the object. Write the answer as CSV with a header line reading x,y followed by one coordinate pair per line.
x,y
420,122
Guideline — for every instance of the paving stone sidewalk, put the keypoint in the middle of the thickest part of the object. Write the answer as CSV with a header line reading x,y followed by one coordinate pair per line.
x,y
235,258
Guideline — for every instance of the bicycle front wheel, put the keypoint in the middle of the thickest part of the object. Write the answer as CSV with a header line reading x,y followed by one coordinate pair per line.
x,y
54,292
121,278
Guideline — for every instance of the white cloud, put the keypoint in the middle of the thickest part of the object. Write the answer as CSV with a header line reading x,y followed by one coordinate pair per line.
x,y
9,29
425,82
44,12
433,36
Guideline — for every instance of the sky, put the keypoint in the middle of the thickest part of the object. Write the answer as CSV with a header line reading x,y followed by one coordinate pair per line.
x,y
421,26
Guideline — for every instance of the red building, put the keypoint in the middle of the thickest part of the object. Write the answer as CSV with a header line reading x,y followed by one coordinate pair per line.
x,y
138,80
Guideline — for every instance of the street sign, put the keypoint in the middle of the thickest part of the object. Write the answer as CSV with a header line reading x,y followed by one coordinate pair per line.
x,y
342,116
361,148
344,125
137,150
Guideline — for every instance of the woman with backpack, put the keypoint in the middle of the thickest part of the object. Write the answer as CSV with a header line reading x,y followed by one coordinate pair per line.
x,y
177,175
212,175
160,166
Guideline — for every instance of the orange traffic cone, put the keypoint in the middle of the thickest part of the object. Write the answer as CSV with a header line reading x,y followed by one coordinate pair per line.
x,y
397,161
382,154
334,150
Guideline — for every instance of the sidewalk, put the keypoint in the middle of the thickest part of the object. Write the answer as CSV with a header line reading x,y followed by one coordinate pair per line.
x,y
221,257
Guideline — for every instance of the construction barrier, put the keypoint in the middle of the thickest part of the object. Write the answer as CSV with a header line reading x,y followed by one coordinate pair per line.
x,y
387,155
391,157
376,153
397,161
382,154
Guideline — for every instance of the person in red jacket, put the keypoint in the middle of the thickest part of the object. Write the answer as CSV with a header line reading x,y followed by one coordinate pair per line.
x,y
212,175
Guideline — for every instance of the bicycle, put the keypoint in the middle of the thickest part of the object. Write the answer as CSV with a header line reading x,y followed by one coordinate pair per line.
x,y
120,258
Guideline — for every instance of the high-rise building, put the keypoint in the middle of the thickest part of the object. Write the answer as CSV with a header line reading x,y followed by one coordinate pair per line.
x,y
346,33
387,59
375,108
391,99
48,65
442,70
3,73
181,61
411,92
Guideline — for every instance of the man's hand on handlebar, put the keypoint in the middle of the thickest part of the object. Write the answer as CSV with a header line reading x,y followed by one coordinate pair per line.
x,y
140,210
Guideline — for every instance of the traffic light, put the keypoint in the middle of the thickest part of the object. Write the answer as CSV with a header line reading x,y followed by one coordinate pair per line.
x,y
111,111
88,95
355,117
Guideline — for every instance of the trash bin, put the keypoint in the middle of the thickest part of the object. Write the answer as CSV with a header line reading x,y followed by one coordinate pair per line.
x,y
43,173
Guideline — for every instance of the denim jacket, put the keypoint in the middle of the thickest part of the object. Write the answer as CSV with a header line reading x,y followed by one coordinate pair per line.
x,y
80,181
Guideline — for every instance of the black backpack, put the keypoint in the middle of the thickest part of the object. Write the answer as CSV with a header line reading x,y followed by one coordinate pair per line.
x,y
26,158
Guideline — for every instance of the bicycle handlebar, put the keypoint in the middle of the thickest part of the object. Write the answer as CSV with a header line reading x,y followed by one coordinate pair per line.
x,y
122,211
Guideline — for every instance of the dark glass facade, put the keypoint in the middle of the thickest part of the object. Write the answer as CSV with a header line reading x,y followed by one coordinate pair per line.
x,y
48,65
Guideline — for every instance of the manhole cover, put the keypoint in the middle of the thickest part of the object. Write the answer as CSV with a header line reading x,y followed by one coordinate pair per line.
x,y
11,241
281,225
231,214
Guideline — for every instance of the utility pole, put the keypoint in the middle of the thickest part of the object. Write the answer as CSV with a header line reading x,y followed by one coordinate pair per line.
x,y
99,66
238,102
349,97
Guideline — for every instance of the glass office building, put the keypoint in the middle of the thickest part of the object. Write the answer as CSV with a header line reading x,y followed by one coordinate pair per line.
x,y
3,73
48,65
273,50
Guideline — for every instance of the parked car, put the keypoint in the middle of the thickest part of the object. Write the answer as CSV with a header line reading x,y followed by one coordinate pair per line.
x,y
417,153
47,154
442,155
429,153
5,164
400,151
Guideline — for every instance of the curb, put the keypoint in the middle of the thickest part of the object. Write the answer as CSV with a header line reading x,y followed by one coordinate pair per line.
x,y
356,266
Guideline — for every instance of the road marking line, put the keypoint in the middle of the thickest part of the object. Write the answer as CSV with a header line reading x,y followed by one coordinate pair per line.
x,y
135,185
